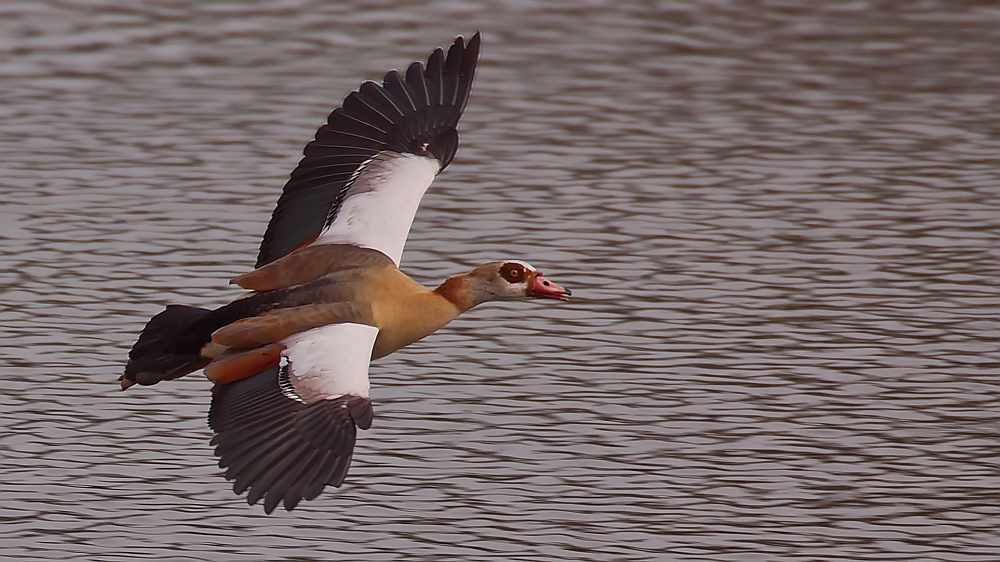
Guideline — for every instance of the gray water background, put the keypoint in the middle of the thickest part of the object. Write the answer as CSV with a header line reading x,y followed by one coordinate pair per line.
x,y
780,221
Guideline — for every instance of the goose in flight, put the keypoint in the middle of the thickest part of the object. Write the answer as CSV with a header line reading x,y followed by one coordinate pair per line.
x,y
289,359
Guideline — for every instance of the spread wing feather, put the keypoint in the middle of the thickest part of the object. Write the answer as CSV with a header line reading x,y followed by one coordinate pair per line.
x,y
416,115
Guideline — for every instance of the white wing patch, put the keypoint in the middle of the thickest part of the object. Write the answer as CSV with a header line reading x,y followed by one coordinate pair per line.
x,y
379,207
329,361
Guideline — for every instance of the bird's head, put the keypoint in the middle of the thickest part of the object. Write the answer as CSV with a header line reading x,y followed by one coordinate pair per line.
x,y
507,280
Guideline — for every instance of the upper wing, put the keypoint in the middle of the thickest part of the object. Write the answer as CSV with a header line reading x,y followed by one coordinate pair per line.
x,y
287,432
363,176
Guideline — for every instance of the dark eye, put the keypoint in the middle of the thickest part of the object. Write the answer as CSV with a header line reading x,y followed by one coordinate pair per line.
x,y
512,272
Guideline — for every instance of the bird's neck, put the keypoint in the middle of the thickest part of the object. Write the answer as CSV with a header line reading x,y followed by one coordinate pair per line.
x,y
458,290
409,312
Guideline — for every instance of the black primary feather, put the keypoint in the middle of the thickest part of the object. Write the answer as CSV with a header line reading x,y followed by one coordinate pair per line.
x,y
281,450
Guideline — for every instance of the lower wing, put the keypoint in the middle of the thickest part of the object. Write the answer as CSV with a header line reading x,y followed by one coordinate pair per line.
x,y
286,432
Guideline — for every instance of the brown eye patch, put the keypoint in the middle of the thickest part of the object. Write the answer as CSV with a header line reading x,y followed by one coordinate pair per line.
x,y
512,272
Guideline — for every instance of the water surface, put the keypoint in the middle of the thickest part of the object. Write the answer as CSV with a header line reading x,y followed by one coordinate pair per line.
x,y
780,222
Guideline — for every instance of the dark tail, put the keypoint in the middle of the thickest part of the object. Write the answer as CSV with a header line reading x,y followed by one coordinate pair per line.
x,y
169,346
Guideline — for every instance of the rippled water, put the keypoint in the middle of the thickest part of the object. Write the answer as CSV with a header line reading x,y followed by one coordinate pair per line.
x,y
781,222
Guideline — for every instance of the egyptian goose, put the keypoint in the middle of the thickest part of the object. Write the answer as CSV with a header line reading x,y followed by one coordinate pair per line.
x,y
290,358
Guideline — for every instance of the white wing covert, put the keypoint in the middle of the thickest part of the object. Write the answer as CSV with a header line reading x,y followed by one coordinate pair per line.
x,y
378,209
327,362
